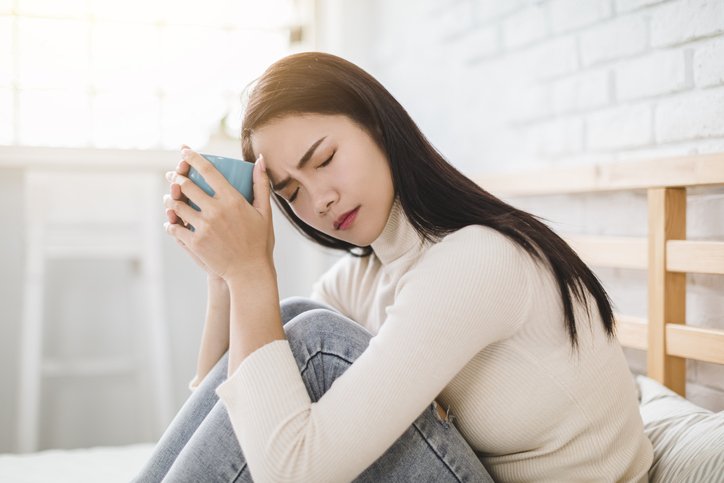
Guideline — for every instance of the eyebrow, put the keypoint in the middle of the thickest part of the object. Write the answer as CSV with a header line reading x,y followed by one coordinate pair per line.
x,y
304,160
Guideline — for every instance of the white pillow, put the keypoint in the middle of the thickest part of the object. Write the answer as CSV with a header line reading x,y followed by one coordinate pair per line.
x,y
688,440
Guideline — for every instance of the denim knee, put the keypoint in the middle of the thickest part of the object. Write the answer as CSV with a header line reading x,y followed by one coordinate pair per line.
x,y
325,324
324,344
295,305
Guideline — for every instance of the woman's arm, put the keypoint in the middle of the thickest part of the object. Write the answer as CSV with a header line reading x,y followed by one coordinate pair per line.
x,y
215,336
466,292
255,316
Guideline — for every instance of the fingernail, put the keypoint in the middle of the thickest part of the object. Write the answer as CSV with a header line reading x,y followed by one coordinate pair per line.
x,y
169,175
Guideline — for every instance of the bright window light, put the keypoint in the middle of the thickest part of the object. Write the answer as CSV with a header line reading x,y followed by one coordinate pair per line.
x,y
6,115
7,70
52,53
126,118
54,117
54,8
133,74
128,64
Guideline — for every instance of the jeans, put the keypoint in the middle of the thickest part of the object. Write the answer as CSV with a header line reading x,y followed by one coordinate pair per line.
x,y
200,446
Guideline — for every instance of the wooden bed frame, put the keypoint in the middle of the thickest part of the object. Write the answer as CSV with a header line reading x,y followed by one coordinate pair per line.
x,y
665,253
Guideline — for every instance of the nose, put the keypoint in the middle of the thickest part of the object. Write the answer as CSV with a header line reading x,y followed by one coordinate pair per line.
x,y
324,201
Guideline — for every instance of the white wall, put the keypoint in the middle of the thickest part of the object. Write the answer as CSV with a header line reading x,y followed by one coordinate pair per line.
x,y
505,85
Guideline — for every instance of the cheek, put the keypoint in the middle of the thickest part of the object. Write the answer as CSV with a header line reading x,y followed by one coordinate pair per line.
x,y
301,210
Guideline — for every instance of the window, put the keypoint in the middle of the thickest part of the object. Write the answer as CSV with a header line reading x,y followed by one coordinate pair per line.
x,y
137,73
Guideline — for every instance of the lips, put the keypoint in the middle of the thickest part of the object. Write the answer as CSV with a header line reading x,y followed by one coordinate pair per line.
x,y
341,219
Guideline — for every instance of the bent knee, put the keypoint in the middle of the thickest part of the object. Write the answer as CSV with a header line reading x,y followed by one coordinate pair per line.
x,y
293,306
314,319
325,323
327,331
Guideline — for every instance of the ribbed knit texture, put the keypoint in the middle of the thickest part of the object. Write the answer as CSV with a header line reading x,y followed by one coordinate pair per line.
x,y
470,320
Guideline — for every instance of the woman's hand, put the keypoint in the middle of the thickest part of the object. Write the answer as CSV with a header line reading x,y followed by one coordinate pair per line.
x,y
175,191
231,236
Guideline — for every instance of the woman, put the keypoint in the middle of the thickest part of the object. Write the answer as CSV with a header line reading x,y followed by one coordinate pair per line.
x,y
447,297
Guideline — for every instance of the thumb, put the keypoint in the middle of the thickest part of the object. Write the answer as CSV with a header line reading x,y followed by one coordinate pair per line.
x,y
261,187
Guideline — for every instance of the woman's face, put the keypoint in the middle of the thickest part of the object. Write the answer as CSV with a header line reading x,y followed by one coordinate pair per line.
x,y
342,170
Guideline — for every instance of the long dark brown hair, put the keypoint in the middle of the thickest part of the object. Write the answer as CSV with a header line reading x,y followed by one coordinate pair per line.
x,y
437,198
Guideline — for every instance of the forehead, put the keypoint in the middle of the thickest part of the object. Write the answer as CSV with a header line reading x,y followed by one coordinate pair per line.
x,y
295,132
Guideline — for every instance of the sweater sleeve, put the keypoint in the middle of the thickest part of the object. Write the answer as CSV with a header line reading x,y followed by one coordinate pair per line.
x,y
466,292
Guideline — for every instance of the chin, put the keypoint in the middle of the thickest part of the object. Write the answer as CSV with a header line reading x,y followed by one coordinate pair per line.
x,y
357,241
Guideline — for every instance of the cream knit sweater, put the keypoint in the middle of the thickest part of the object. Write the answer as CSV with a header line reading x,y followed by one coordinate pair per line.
x,y
470,320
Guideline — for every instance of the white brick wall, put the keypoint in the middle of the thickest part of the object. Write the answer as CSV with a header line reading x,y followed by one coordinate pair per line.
x,y
685,20
708,68
623,126
621,37
499,85
584,91
663,72
525,27
697,114
567,15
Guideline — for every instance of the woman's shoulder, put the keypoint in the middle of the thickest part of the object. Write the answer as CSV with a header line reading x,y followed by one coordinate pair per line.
x,y
479,252
480,239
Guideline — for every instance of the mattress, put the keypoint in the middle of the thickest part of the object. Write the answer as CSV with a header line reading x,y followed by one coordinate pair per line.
x,y
109,464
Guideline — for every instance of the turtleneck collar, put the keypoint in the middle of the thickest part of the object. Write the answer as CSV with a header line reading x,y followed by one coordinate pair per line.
x,y
398,237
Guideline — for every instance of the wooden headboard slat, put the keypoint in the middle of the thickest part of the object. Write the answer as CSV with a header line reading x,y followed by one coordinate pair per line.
x,y
695,256
672,172
611,251
667,290
695,343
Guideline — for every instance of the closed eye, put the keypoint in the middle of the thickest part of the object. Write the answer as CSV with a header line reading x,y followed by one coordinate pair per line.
x,y
294,196
326,162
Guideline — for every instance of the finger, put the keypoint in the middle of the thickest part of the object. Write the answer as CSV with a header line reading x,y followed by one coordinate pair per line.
x,y
174,189
188,190
262,190
176,192
182,210
207,171
173,217
183,167
170,214
179,232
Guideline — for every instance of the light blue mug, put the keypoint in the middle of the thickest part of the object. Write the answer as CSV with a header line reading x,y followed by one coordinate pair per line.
x,y
236,171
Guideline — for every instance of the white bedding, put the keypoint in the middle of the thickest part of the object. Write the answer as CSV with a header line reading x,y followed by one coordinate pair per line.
x,y
106,464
